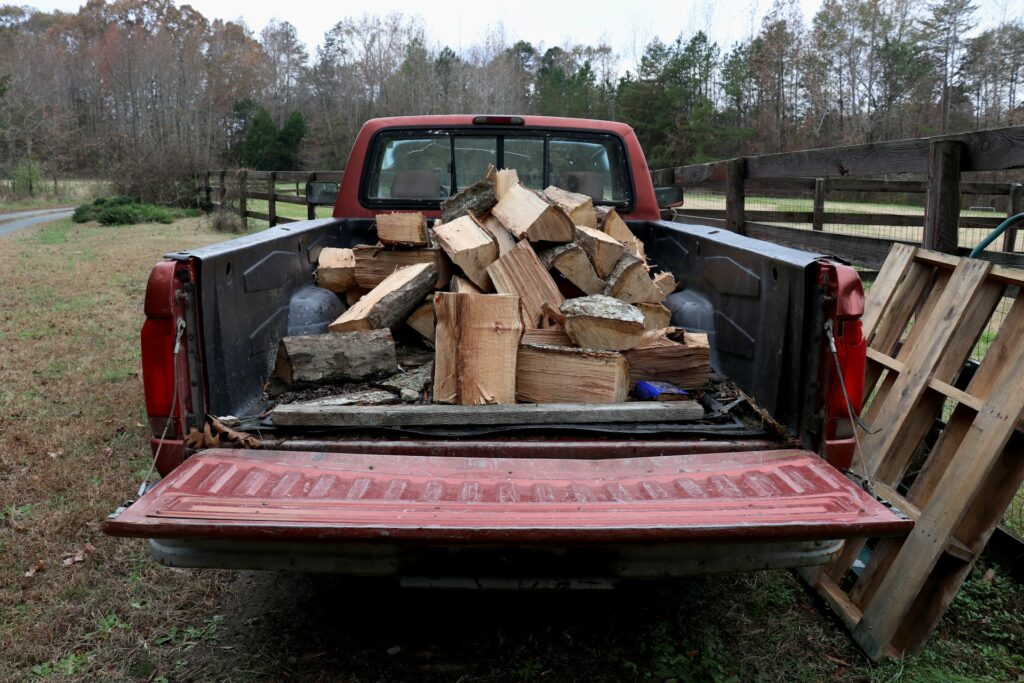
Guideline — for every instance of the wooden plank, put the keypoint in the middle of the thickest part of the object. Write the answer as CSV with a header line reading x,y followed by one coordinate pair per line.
x,y
852,218
298,414
805,186
898,263
942,204
944,388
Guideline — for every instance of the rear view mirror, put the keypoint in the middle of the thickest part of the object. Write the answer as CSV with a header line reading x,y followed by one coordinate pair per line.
x,y
669,196
321,193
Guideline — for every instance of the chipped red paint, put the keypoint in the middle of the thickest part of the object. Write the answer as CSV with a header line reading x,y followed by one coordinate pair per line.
x,y
278,495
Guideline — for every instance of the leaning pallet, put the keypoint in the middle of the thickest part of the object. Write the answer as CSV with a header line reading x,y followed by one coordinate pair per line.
x,y
922,321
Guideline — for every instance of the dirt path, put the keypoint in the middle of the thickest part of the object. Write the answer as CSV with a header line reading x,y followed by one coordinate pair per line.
x,y
12,222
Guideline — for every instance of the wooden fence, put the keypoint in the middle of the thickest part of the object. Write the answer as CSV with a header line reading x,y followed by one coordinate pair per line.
x,y
216,188
942,160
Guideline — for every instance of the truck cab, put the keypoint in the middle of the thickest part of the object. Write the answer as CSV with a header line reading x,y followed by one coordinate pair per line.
x,y
759,482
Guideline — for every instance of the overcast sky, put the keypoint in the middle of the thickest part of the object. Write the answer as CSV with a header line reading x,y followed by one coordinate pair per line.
x,y
459,23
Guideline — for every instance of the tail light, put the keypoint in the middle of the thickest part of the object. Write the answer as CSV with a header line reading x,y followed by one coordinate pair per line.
x,y
158,335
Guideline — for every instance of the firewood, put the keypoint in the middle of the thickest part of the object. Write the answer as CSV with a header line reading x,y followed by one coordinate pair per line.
x,y
460,285
671,355
527,216
336,269
422,319
604,251
374,263
603,323
656,316
390,302
502,237
612,225
579,207
469,247
552,336
416,380
335,358
666,282
571,261
406,229
477,341
631,282
504,179
354,294
475,200
562,374
520,272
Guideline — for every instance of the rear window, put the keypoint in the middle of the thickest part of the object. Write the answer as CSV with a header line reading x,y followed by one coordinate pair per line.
x,y
417,168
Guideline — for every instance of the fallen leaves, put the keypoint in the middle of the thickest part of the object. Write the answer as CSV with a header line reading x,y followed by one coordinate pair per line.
x,y
77,557
35,568
215,434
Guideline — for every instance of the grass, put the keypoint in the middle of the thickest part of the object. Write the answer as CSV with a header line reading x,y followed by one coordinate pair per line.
x,y
73,445
50,194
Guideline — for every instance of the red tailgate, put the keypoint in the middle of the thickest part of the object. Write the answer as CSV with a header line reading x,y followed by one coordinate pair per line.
x,y
281,495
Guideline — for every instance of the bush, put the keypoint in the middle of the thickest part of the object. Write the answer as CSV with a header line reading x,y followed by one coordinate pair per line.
x,y
124,210
27,177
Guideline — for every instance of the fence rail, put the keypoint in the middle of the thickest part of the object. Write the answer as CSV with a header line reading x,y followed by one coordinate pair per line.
x,y
820,173
214,188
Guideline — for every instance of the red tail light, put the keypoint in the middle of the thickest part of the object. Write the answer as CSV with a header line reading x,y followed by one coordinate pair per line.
x,y
158,334
498,121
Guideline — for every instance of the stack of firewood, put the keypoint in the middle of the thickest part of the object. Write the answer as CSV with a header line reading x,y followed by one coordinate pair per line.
x,y
524,296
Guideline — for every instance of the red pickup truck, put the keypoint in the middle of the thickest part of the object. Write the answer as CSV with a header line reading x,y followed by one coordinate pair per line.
x,y
534,505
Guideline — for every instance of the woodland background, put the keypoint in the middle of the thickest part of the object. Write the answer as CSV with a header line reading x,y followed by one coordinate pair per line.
x,y
146,92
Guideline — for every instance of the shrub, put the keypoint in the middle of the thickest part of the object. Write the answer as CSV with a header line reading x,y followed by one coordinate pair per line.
x,y
124,210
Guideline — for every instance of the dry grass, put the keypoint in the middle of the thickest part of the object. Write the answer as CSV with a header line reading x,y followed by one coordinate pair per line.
x,y
72,446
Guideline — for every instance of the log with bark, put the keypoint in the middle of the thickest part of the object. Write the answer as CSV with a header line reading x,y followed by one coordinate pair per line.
x,y
335,358
469,247
520,272
571,261
528,217
477,341
579,207
403,229
604,251
671,355
336,269
374,263
561,374
390,302
631,282
603,323
475,200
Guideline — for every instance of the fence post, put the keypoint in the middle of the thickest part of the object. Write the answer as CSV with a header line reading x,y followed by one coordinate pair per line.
x,y
1013,197
818,219
942,204
223,188
272,198
310,208
735,194
243,211
207,190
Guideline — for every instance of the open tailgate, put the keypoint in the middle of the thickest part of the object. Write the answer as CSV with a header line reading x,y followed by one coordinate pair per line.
x,y
302,496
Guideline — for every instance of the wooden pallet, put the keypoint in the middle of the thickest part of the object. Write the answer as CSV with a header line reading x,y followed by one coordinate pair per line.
x,y
923,317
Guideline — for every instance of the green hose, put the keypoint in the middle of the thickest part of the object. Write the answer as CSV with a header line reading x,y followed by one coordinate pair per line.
x,y
1000,229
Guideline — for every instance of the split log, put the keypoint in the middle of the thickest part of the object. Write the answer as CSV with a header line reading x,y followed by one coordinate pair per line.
x,y
469,247
562,374
656,316
414,380
571,261
460,285
671,355
390,302
422,320
374,263
520,272
613,226
335,358
354,294
504,179
579,207
603,250
336,269
666,282
529,217
631,282
502,237
603,323
552,336
475,200
405,229
477,341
